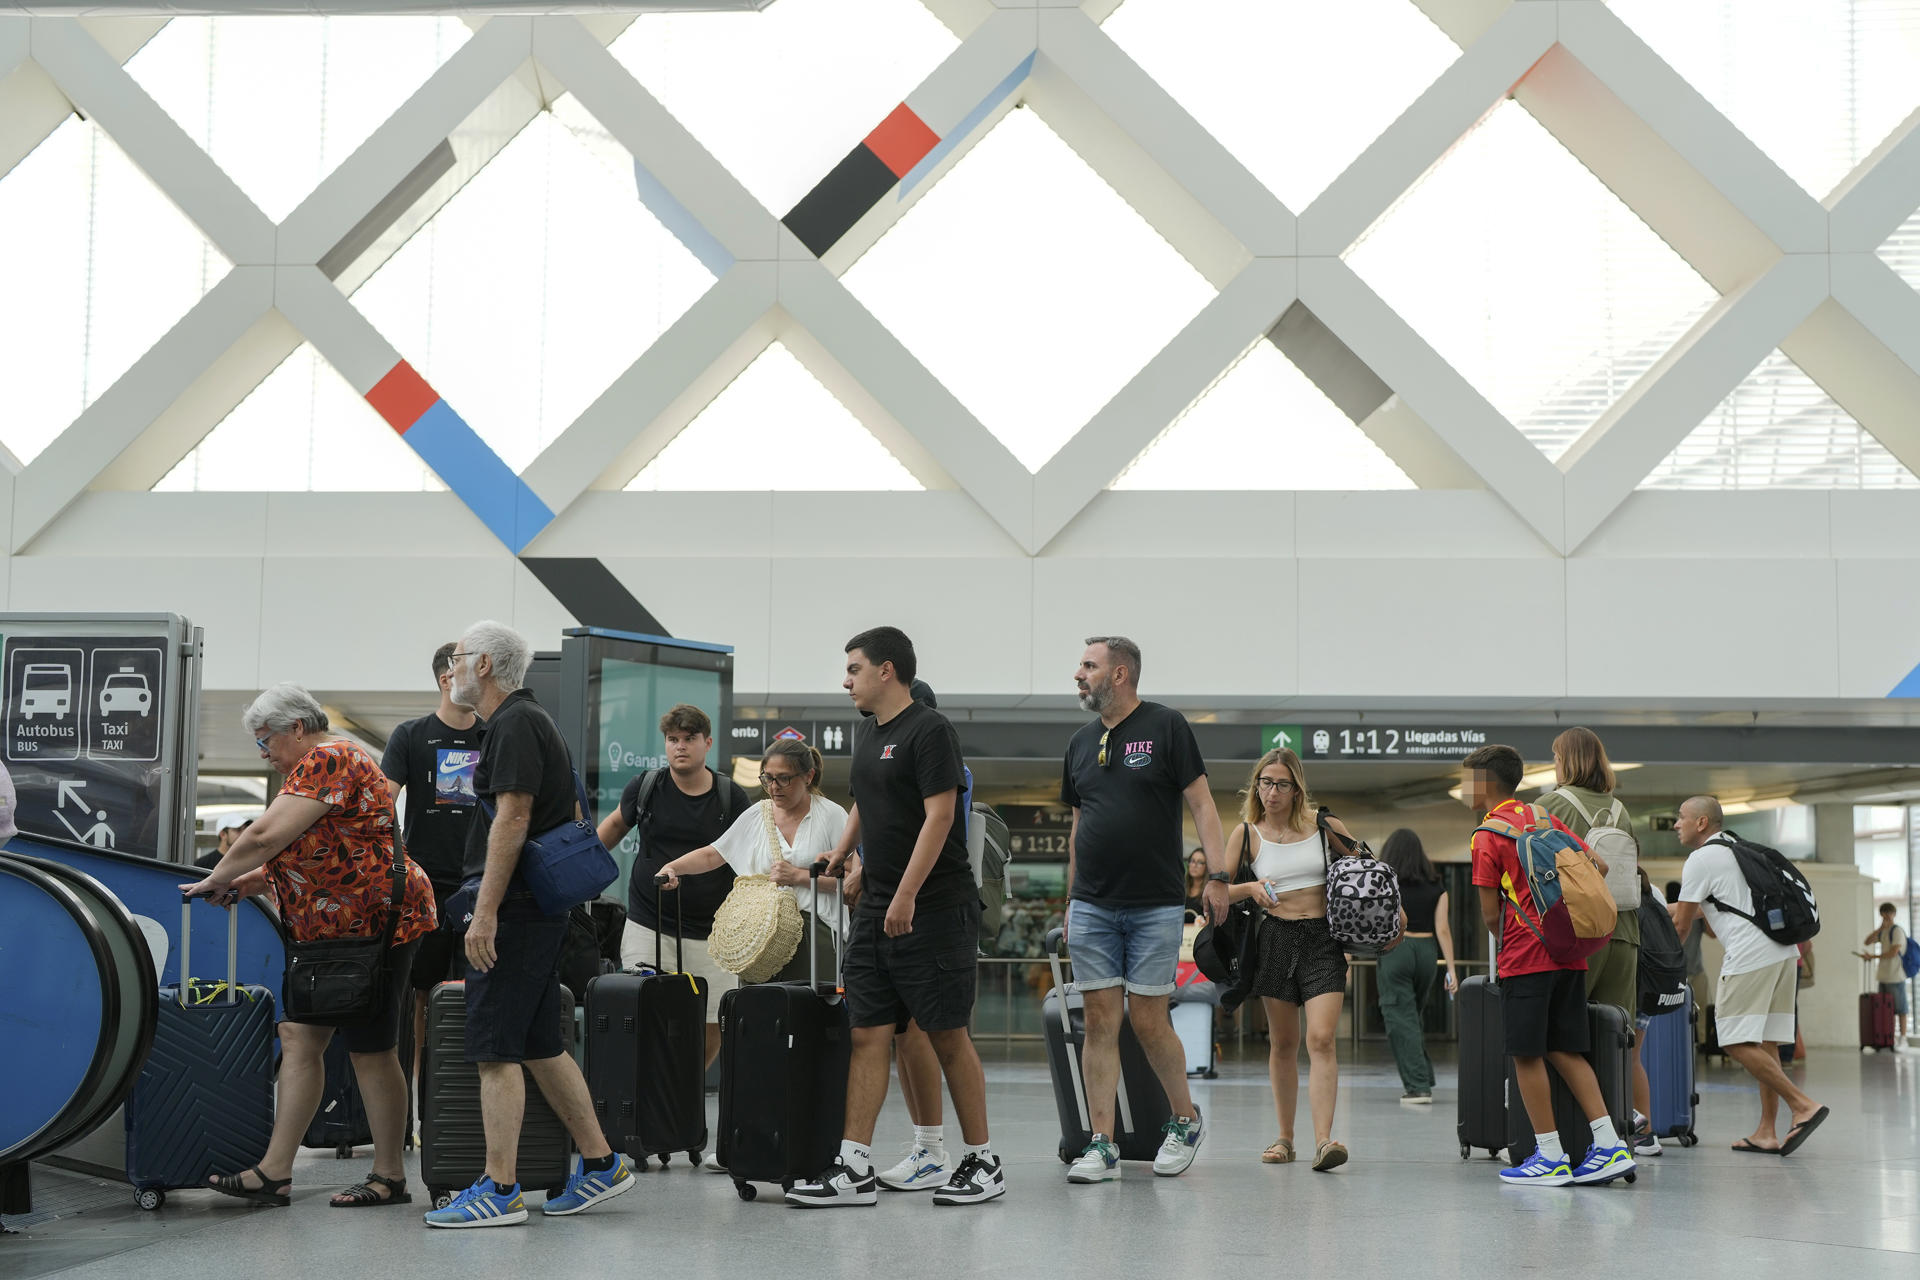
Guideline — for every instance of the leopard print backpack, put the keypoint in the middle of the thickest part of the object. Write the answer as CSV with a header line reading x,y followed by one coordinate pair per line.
x,y
1363,894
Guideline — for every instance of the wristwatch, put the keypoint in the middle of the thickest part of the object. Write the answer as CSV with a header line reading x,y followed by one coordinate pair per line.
x,y
1220,876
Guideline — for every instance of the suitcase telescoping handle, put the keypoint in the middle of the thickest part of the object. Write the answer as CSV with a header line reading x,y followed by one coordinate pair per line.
x,y
814,872
679,927
233,948
1054,948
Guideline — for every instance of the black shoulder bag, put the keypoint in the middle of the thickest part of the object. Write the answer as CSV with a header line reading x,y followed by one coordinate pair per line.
x,y
1225,953
337,981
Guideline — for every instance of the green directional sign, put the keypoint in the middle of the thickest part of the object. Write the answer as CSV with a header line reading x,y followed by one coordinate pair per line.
x,y
1274,736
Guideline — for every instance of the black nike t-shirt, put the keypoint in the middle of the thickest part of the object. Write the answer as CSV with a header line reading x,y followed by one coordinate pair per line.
x,y
1129,849
896,767
520,750
435,762
676,823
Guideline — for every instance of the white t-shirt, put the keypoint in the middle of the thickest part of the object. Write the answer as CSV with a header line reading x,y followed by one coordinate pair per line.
x,y
1713,871
1890,941
744,845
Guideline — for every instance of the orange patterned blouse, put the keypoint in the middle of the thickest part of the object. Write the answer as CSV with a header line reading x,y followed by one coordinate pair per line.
x,y
333,880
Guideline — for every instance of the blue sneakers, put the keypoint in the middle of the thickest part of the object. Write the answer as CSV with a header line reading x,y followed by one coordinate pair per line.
x,y
587,1188
482,1205
1539,1170
1603,1165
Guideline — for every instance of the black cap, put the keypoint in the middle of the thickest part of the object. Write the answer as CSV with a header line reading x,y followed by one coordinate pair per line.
x,y
923,692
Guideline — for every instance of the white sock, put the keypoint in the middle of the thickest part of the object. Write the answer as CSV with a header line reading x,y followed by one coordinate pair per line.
x,y
931,1136
1604,1134
856,1157
968,1149
1549,1144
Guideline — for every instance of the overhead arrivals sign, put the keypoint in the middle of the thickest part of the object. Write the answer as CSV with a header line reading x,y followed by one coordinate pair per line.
x,y
1376,742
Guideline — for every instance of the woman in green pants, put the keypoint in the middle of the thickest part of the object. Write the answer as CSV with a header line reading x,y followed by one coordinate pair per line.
x,y
1407,971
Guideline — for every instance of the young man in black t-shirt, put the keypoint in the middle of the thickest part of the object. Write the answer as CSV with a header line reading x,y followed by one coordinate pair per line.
x,y
432,759
688,806
910,953
1126,778
524,783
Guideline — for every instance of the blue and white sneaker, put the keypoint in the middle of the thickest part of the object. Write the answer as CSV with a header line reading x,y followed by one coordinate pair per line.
x,y
1100,1162
1602,1165
1180,1146
1539,1170
586,1188
483,1204
923,1170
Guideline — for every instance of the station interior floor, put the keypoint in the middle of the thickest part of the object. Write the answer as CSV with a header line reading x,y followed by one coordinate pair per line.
x,y
1407,1205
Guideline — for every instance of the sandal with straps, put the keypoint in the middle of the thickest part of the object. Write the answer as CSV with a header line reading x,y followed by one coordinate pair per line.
x,y
277,1192
1330,1156
1281,1152
361,1195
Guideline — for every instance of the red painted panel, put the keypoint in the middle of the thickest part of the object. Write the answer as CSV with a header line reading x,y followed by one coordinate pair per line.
x,y
902,140
402,396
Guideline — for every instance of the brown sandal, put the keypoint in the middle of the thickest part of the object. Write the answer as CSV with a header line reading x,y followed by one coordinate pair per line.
x,y
1330,1156
1281,1152
361,1195
277,1192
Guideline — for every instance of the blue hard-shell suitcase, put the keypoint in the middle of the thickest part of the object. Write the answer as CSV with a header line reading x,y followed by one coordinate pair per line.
x,y
204,1101
1669,1060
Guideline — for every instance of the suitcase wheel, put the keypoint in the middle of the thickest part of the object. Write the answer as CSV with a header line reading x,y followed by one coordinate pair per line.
x,y
343,1152
149,1198
1066,1156
694,1158
1632,1178
1466,1152
441,1196
745,1190
554,1193
666,1158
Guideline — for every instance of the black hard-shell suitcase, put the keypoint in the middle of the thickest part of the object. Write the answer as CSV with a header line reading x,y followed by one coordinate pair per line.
x,y
453,1141
784,1052
1610,1051
204,1101
341,1123
1482,1117
646,1042
1141,1107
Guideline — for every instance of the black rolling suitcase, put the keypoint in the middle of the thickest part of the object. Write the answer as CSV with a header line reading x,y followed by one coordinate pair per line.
x,y
1482,1120
341,1123
784,1051
204,1101
646,1057
1141,1107
453,1142
1610,1052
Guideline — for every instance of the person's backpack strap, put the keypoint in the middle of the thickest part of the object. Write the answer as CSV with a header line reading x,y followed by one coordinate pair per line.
x,y
643,802
1244,872
1578,808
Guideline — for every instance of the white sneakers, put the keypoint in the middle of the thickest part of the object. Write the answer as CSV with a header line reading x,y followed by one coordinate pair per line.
x,y
976,1181
1100,1162
923,1169
1179,1147
837,1186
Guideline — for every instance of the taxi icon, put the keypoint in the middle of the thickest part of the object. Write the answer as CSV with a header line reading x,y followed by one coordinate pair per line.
x,y
125,693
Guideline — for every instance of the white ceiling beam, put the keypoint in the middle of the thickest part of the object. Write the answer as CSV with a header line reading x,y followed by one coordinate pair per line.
x,y
1880,194
31,104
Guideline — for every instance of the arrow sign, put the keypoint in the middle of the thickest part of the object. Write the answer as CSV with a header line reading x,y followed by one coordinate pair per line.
x,y
70,790
1277,736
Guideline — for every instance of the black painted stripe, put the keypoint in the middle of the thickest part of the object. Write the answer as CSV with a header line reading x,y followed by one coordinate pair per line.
x,y
589,591
829,211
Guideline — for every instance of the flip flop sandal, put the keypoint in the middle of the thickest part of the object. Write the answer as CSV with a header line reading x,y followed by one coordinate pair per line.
x,y
1329,1156
277,1192
361,1195
1801,1132
1281,1152
1752,1148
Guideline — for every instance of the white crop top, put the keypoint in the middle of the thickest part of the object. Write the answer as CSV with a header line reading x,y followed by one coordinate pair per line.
x,y
1297,864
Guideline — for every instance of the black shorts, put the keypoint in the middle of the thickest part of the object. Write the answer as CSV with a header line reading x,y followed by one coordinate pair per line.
x,y
1545,1013
379,1034
927,976
514,1008
438,950
1298,960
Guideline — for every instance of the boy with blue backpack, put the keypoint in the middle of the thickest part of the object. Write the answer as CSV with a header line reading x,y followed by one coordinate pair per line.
x,y
1545,897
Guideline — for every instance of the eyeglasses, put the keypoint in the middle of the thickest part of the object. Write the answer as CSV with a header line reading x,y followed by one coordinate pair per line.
x,y
1275,784
455,657
260,743
1103,749
778,779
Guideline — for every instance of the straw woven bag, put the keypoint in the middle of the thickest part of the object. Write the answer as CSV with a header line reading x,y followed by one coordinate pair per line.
x,y
757,929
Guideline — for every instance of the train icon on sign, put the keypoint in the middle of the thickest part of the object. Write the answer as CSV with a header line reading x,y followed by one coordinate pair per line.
x,y
125,693
46,688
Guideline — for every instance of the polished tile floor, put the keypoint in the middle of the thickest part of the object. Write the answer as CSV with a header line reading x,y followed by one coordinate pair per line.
x,y
1847,1205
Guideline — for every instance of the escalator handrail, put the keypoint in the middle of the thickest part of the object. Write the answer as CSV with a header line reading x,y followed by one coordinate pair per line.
x,y
52,1133
146,982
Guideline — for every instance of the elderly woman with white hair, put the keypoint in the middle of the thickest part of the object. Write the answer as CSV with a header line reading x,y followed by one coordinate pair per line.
x,y
326,847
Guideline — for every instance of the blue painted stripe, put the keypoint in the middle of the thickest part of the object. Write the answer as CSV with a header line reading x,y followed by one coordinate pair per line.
x,y
1909,687
686,228
965,128
473,470
646,639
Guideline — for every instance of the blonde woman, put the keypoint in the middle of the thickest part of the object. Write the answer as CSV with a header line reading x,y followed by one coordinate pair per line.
x,y
804,825
1300,969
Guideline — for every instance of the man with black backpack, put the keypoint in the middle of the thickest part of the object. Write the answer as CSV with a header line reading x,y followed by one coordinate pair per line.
x,y
1750,897
673,811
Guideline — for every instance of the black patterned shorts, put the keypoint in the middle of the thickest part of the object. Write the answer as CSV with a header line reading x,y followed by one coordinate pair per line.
x,y
1298,960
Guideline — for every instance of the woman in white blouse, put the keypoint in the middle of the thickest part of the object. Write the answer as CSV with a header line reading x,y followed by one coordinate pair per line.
x,y
780,838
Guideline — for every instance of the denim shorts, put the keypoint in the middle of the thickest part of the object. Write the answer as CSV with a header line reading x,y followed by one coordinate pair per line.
x,y
1139,946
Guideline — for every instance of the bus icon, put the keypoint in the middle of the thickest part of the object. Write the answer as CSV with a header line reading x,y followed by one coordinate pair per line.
x,y
46,688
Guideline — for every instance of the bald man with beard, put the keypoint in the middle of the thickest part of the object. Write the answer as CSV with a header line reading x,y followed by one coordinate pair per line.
x,y
1753,1010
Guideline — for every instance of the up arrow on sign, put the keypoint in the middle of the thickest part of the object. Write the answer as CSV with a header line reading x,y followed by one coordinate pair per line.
x,y
1276,736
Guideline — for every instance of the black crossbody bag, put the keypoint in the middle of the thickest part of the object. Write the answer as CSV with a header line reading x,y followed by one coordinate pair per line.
x,y
337,981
